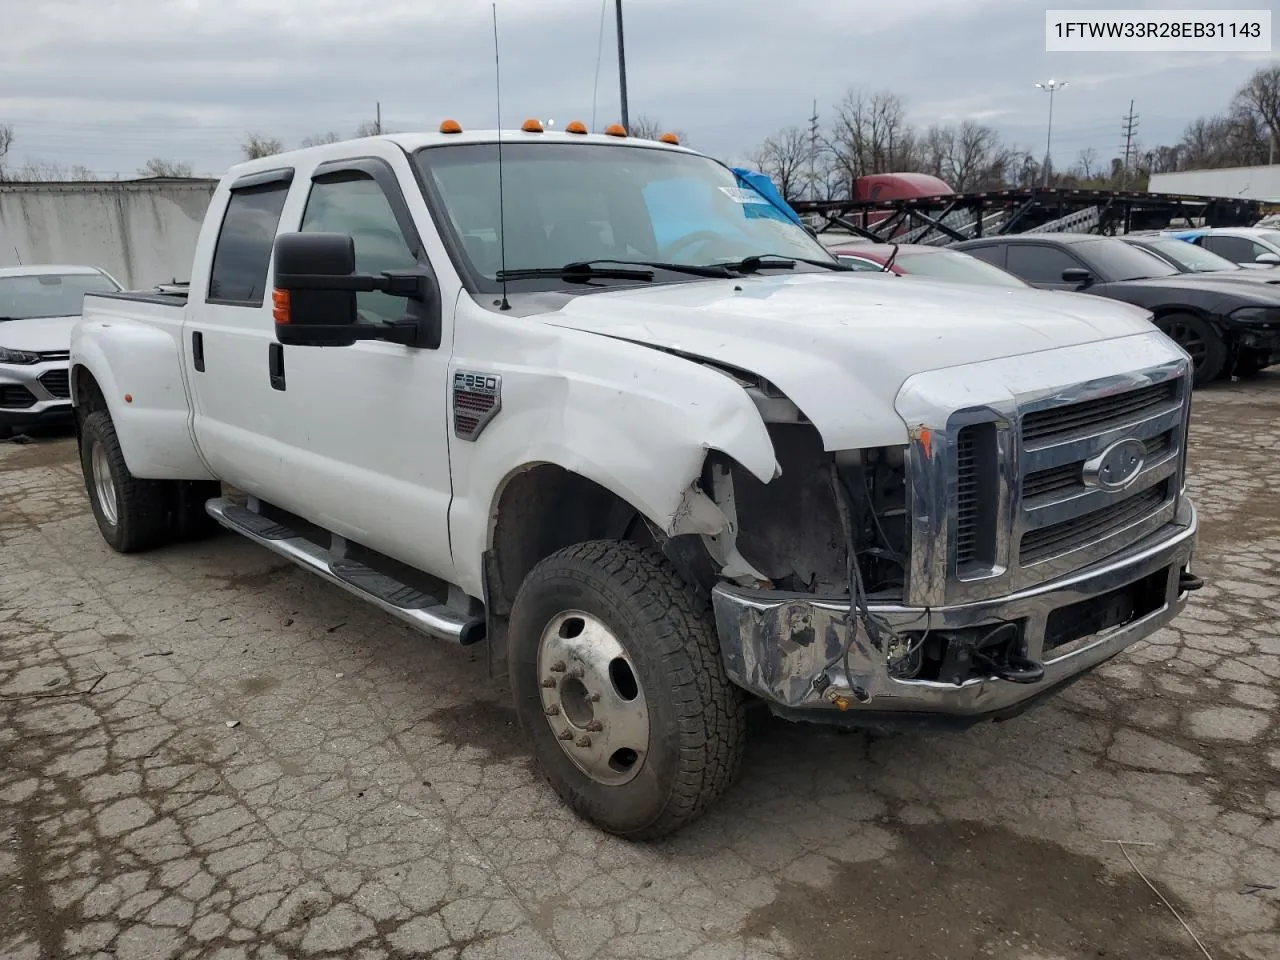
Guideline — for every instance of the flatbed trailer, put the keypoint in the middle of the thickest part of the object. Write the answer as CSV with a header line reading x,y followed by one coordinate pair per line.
x,y
949,218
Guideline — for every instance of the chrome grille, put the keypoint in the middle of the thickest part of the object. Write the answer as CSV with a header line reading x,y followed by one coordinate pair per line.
x,y
966,496
1068,535
1063,521
1097,415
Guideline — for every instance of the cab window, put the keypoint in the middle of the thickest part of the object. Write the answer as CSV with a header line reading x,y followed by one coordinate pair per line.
x,y
354,204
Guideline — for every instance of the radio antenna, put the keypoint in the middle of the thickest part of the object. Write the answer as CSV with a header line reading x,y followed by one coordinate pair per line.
x,y
502,204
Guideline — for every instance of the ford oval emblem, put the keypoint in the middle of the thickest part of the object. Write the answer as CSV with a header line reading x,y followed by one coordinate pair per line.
x,y
1116,467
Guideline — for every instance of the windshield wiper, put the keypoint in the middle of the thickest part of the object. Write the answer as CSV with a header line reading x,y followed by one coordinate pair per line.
x,y
580,271
693,269
776,261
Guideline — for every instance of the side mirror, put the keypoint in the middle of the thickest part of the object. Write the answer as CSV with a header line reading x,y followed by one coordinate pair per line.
x,y
1077,275
1269,258
314,302
310,308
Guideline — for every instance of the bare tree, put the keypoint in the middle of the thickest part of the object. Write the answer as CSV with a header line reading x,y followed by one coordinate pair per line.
x,y
257,145
1260,98
47,171
372,128
785,157
650,128
871,135
1087,164
318,139
6,141
159,167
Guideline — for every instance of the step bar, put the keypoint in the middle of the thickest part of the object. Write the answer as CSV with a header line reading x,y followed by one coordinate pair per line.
x,y
408,604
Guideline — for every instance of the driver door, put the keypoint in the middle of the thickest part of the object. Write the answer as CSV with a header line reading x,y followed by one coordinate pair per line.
x,y
367,424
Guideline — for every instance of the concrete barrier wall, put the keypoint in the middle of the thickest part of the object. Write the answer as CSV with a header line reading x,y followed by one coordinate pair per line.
x,y
141,233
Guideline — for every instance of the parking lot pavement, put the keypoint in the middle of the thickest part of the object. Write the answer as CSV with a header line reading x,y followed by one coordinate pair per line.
x,y
209,753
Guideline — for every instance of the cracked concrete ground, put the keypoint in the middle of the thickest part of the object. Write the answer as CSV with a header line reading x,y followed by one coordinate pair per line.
x,y
373,799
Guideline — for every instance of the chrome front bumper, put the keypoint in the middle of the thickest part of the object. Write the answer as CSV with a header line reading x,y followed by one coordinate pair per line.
x,y
777,645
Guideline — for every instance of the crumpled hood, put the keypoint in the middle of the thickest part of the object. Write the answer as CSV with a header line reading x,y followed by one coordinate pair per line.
x,y
841,346
38,333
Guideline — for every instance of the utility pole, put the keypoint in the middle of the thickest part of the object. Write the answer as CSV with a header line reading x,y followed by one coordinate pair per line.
x,y
1052,87
1129,129
813,152
377,123
622,69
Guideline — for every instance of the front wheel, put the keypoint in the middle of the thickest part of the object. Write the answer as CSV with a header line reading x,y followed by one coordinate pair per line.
x,y
618,683
1200,340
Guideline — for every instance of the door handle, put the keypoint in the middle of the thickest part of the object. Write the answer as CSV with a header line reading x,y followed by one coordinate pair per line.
x,y
197,350
275,365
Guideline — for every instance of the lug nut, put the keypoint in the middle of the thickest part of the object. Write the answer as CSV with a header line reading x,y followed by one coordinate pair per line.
x,y
552,710
549,682
595,726
583,741
565,735
576,673
558,667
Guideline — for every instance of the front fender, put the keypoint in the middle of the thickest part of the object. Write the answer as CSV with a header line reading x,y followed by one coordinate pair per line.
x,y
139,371
637,421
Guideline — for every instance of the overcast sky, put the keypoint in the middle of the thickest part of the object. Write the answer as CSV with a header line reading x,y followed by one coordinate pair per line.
x,y
110,83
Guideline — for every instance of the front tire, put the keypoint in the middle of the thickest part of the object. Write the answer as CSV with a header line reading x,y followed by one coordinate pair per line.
x,y
132,513
620,688
1196,336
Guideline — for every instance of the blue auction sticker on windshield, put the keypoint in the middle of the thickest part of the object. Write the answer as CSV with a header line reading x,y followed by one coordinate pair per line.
x,y
739,195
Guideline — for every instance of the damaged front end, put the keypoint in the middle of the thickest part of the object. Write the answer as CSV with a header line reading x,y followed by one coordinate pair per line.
x,y
965,574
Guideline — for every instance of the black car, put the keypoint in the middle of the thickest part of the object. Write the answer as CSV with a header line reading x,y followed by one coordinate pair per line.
x,y
1225,325
1189,258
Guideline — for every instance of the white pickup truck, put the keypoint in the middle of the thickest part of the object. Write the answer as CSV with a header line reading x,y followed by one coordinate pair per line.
x,y
636,429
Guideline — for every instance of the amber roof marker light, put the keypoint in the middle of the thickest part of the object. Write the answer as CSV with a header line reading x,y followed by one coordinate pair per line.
x,y
575,126
532,125
451,126
615,130
670,138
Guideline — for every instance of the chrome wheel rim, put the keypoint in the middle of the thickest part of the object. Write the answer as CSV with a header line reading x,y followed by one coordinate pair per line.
x,y
592,699
104,487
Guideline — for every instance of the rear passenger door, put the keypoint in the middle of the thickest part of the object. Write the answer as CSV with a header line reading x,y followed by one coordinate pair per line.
x,y
1041,265
228,329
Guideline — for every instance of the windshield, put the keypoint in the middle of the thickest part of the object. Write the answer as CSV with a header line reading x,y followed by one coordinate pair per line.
x,y
1123,261
567,203
1271,236
48,294
1191,257
952,265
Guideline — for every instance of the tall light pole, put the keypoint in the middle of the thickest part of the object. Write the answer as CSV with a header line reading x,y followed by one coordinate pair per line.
x,y
622,70
1052,87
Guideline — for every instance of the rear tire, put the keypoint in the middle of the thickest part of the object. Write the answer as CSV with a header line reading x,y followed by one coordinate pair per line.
x,y
132,514
1196,336
609,646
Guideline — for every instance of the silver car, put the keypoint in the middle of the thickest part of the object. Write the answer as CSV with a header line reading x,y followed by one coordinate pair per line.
x,y
38,307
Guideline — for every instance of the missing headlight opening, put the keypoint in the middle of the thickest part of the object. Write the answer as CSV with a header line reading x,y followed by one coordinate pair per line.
x,y
791,531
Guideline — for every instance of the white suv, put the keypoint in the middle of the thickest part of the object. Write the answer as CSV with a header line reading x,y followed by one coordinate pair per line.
x,y
38,307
